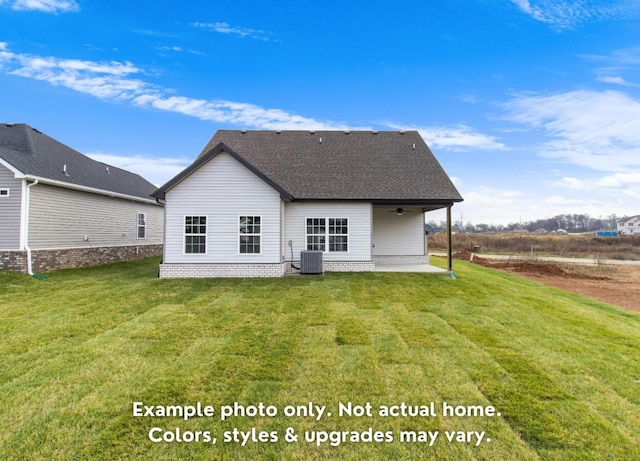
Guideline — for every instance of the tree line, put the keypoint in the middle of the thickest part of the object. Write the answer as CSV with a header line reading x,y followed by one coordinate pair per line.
x,y
562,222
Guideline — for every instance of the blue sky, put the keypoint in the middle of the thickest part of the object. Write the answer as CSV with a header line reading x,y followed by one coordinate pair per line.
x,y
531,106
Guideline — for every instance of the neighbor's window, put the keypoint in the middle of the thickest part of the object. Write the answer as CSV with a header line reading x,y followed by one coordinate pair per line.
x,y
142,225
4,192
249,237
337,232
195,234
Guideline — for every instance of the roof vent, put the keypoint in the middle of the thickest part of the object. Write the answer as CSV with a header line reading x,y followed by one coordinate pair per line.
x,y
347,132
107,170
414,146
243,131
64,170
278,131
312,132
375,131
319,140
402,132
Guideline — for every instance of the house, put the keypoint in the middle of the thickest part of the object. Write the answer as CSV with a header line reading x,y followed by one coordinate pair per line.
x,y
629,226
254,200
59,208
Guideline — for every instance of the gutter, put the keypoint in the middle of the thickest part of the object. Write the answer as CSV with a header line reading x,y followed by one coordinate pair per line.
x,y
92,190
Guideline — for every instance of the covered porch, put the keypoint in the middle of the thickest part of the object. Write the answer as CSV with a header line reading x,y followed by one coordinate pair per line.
x,y
398,239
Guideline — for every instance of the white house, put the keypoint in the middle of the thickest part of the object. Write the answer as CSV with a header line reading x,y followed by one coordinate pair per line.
x,y
629,226
59,208
254,200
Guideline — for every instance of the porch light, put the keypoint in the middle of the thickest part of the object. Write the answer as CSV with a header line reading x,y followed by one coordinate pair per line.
x,y
399,211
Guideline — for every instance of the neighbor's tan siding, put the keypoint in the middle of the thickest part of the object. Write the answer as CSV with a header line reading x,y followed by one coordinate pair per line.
x,y
223,190
61,218
10,208
395,235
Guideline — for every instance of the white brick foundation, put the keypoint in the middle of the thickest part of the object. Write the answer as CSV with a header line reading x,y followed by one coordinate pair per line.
x,y
220,270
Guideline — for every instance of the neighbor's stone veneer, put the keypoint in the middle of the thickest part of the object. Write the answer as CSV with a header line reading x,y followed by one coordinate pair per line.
x,y
48,260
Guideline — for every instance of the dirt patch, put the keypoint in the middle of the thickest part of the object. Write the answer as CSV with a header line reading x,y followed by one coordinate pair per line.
x,y
617,285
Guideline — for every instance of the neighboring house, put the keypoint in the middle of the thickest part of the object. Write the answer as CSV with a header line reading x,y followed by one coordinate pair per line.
x,y
629,226
59,208
254,200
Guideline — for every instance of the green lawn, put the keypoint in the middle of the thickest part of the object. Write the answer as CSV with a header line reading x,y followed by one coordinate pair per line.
x,y
78,350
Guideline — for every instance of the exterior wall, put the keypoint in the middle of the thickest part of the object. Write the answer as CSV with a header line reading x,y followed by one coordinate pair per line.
x,y
48,260
395,235
10,210
65,218
223,190
358,214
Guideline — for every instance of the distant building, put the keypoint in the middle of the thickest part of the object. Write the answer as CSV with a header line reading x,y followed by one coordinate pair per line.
x,y
629,226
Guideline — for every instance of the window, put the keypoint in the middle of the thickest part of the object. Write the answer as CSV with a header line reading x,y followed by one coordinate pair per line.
x,y
337,232
316,230
4,192
195,234
249,234
142,225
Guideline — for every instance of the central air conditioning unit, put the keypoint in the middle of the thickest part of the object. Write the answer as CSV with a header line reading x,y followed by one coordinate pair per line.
x,y
311,262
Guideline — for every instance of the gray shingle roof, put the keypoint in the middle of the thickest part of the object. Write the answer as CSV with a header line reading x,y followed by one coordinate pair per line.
x,y
36,154
382,167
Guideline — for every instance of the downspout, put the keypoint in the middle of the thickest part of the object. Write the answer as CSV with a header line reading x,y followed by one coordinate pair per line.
x,y
26,231
449,241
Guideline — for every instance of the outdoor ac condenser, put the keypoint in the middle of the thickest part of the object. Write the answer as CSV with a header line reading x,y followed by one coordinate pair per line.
x,y
311,262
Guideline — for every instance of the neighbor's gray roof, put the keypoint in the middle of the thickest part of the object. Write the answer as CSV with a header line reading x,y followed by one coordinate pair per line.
x,y
35,154
382,167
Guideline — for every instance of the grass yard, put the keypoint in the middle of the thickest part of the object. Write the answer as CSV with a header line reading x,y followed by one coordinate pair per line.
x,y
78,350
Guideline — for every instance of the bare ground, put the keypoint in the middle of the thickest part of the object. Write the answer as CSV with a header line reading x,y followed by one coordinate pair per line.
x,y
619,285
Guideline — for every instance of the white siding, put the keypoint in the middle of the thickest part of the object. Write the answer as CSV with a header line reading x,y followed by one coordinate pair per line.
x,y
222,190
358,214
10,207
61,218
395,235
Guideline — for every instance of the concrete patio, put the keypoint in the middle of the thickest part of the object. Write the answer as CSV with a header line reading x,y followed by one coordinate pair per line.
x,y
425,268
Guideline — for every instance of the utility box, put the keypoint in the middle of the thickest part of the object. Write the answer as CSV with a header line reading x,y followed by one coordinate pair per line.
x,y
310,262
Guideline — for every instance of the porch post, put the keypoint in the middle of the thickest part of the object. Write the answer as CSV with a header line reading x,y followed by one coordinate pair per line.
x,y
449,240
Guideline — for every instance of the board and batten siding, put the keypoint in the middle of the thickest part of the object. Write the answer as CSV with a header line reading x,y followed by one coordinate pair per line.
x,y
65,218
222,190
398,235
359,227
10,210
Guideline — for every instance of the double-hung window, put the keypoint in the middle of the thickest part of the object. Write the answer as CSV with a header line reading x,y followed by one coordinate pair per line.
x,y
195,234
328,234
142,225
249,234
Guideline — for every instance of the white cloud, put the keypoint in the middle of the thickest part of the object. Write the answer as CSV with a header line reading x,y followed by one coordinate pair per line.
x,y
619,180
225,28
571,183
155,170
120,81
46,6
567,14
598,130
456,138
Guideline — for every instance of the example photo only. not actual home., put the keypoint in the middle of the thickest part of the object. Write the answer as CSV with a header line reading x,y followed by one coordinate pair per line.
x,y
268,203
61,209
